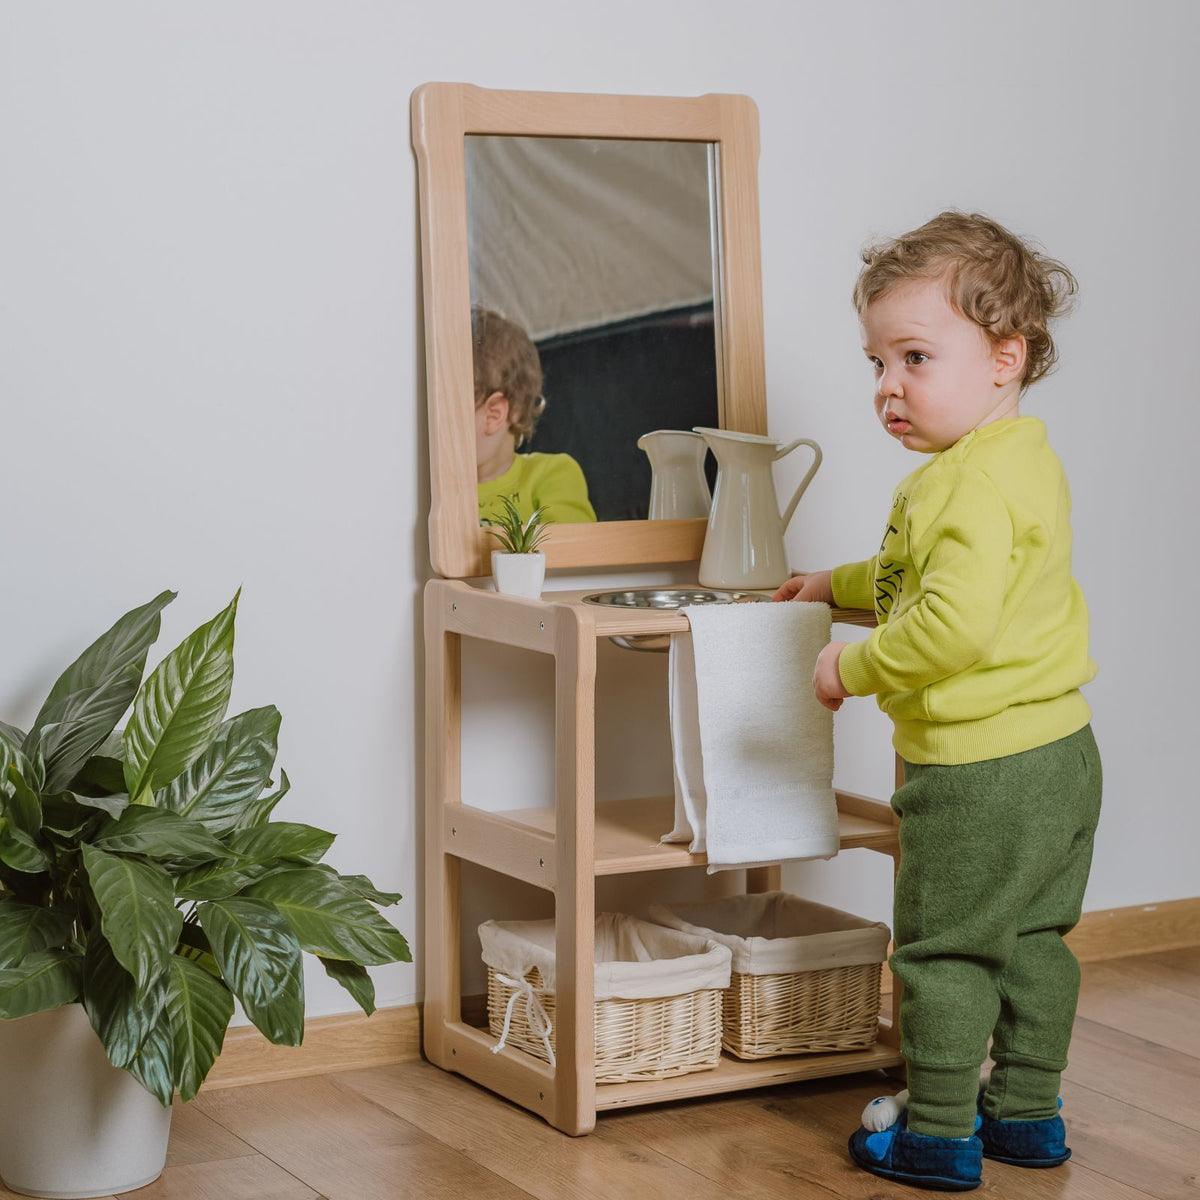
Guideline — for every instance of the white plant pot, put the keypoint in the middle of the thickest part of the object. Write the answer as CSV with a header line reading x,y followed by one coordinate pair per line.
x,y
519,574
71,1124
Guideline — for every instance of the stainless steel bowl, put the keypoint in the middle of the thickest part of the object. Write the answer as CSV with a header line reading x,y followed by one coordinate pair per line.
x,y
670,597
666,599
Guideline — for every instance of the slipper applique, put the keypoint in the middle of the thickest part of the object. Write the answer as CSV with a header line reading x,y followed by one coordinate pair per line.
x,y
884,1111
940,1164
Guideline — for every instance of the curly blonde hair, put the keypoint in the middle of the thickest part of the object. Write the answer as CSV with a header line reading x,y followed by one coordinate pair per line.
x,y
1003,284
506,361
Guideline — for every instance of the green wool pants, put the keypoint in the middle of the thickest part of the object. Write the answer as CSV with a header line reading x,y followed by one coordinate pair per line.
x,y
994,857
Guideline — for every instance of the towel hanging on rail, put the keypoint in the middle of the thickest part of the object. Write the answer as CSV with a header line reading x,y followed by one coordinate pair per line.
x,y
751,745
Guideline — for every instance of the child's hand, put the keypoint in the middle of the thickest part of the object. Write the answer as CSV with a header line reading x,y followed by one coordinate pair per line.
x,y
816,586
827,682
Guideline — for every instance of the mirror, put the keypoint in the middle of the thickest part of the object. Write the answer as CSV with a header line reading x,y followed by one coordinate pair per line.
x,y
461,134
601,251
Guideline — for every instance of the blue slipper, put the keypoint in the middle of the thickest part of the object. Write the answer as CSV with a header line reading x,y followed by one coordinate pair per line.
x,y
1024,1143
941,1164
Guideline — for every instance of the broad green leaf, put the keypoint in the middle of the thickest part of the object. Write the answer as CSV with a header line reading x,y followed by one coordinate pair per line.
x,y
113,746
360,885
194,946
137,912
280,839
329,919
30,767
22,810
114,805
93,692
153,1066
259,812
354,979
19,851
27,928
44,980
200,1008
11,734
220,880
100,776
260,960
162,836
228,776
178,709
120,1017
22,803
64,816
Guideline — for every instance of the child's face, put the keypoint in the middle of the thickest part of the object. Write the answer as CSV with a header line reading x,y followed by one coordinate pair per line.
x,y
937,374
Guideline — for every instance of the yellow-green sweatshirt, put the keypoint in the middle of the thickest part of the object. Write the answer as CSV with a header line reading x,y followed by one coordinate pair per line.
x,y
552,481
982,642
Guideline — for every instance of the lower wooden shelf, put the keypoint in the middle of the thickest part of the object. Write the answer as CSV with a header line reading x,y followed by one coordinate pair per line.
x,y
734,1075
530,1082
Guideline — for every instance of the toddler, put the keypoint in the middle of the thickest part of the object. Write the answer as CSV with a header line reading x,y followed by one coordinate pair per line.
x,y
508,402
978,657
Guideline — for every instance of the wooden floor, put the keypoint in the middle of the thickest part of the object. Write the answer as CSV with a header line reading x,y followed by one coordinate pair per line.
x,y
1131,1098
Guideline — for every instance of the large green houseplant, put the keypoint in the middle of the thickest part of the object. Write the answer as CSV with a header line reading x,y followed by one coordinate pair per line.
x,y
141,872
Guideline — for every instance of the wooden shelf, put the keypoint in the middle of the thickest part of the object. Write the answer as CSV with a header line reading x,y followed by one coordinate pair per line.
x,y
480,613
734,1075
521,842
623,621
530,1082
562,847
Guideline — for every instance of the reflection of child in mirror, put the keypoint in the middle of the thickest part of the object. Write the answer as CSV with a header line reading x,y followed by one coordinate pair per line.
x,y
508,402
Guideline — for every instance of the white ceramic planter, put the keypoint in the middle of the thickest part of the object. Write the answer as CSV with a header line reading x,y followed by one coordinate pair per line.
x,y
71,1124
519,574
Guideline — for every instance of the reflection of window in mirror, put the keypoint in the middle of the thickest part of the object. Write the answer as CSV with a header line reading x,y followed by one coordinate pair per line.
x,y
601,251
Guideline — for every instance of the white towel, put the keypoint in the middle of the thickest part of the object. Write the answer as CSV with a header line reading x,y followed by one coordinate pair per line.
x,y
751,744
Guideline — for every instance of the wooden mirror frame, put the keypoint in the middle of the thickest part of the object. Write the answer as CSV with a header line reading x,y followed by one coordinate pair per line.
x,y
443,114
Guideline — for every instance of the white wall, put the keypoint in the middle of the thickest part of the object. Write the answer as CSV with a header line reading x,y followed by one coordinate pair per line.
x,y
211,366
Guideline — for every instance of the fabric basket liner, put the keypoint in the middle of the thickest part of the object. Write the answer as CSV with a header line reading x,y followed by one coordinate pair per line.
x,y
634,960
772,933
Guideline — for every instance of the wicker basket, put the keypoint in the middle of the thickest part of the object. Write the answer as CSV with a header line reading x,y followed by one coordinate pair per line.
x,y
827,997
638,1037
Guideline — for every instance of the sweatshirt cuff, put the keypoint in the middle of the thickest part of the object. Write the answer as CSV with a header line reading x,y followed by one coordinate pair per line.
x,y
856,666
853,584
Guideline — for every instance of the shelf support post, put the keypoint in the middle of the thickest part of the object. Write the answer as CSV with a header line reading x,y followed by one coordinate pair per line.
x,y
443,786
575,891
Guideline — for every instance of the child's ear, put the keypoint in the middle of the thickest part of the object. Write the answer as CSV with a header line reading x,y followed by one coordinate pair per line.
x,y
495,413
1009,357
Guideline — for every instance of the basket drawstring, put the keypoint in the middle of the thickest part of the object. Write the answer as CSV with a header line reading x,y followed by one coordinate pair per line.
x,y
535,1014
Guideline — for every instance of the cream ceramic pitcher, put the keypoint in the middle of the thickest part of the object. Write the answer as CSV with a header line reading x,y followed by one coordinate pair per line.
x,y
743,545
677,484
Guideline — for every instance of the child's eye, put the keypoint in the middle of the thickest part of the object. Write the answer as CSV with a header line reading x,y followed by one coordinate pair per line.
x,y
874,362
915,358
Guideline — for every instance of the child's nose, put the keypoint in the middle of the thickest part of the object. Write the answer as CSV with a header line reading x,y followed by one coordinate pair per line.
x,y
889,385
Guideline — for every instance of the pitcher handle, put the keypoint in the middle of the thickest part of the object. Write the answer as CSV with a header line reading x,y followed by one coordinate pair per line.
x,y
817,457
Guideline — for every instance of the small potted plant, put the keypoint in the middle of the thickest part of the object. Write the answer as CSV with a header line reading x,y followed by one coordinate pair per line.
x,y
144,886
518,567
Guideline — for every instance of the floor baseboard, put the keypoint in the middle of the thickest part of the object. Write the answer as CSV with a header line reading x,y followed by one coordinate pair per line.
x,y
351,1041
1139,929
345,1042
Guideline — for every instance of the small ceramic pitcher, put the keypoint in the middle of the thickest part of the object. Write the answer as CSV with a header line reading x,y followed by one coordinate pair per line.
x,y
743,545
678,487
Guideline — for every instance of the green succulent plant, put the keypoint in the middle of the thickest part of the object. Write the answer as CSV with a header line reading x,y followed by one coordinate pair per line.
x,y
515,534
141,873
